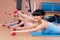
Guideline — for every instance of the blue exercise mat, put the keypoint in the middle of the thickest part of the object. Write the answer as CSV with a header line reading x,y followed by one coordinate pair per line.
x,y
41,34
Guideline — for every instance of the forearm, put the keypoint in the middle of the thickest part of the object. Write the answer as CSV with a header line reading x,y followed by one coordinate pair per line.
x,y
28,30
22,18
27,17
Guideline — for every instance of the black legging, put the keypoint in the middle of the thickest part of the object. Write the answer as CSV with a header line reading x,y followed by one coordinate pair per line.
x,y
58,17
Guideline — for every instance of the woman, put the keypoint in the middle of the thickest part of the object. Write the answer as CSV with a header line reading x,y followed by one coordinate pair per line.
x,y
43,26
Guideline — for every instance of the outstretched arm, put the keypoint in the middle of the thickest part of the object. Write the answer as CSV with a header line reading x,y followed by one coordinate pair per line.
x,y
26,16
39,27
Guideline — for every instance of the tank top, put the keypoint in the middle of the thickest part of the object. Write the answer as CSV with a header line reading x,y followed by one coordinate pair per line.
x,y
51,29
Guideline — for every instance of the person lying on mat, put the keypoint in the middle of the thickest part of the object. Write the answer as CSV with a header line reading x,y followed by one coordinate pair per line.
x,y
44,26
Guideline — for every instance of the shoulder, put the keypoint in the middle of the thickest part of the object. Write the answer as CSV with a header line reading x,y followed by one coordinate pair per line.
x,y
45,23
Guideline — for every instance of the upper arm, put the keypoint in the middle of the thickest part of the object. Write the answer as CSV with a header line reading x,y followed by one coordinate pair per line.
x,y
39,27
43,25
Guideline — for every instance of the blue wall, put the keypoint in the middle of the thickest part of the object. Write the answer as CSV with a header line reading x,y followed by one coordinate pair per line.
x,y
50,6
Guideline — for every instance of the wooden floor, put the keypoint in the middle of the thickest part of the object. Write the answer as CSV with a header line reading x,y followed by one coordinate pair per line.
x,y
5,35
